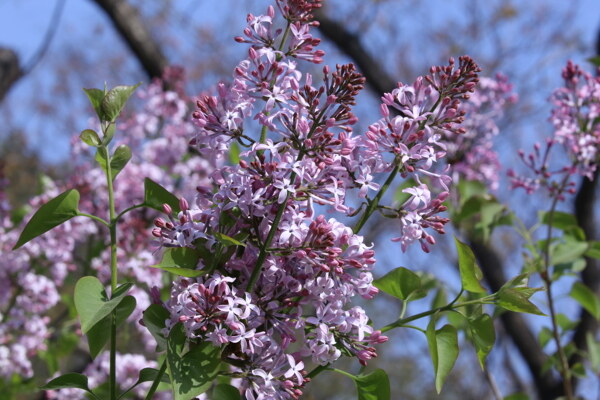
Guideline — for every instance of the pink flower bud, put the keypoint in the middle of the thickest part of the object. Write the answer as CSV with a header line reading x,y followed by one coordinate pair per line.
x,y
183,204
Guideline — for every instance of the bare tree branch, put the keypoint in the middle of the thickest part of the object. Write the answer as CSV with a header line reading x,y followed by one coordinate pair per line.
x,y
10,67
10,71
129,24
349,43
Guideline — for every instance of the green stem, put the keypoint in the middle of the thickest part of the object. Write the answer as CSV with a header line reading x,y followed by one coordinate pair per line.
x,y
156,381
372,206
403,321
103,222
262,255
339,371
125,211
565,371
317,370
113,275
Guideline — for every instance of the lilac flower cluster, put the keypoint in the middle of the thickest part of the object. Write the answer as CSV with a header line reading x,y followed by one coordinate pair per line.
x,y
279,278
26,295
576,130
128,367
471,155
159,136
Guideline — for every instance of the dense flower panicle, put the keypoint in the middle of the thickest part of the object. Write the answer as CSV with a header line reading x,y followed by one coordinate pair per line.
x,y
471,155
295,275
159,135
25,295
576,130
416,119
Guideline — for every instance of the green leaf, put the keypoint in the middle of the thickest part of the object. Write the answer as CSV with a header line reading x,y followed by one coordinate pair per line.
x,y
469,189
567,252
90,137
593,250
71,380
227,240
400,283
484,336
114,101
155,196
545,336
92,303
120,158
515,299
560,220
56,211
586,298
470,274
154,319
443,347
146,375
593,350
234,153
99,334
373,386
109,133
565,322
185,272
181,257
520,280
150,374
191,372
223,391
491,211
96,96
517,396
595,61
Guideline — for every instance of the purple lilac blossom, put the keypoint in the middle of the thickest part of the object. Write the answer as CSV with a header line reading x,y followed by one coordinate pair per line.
x,y
471,155
284,298
128,367
576,131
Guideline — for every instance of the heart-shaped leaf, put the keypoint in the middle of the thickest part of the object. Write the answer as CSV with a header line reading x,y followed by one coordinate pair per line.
x,y
586,298
155,196
400,283
223,391
113,102
443,347
92,303
71,380
517,299
119,159
96,96
227,240
58,210
470,274
374,386
154,319
99,334
191,372
484,336
90,137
